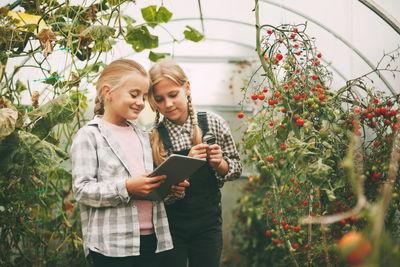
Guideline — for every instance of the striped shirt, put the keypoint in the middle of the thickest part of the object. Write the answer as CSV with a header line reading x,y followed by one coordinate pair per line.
x,y
110,224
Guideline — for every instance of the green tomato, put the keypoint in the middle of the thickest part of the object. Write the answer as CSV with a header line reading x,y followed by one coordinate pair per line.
x,y
385,167
264,168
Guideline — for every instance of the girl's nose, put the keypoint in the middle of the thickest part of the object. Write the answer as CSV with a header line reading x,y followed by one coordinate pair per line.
x,y
168,102
140,101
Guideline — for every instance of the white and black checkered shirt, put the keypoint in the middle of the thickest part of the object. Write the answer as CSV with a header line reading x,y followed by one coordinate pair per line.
x,y
180,136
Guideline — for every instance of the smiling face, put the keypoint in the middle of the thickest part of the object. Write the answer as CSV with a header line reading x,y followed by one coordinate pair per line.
x,y
171,100
127,101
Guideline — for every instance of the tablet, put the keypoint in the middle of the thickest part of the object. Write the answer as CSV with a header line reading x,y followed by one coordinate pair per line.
x,y
177,168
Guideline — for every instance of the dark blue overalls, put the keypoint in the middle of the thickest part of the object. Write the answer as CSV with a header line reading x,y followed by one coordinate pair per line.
x,y
195,221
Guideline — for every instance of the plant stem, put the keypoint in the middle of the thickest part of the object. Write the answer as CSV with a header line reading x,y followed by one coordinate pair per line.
x,y
258,47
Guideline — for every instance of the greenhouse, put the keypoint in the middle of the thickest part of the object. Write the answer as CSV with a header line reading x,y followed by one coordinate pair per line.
x,y
282,117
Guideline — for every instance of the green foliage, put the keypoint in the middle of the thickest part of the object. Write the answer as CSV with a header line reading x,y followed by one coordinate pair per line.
x,y
8,119
99,33
296,142
193,35
156,56
59,110
153,16
140,38
40,224
34,191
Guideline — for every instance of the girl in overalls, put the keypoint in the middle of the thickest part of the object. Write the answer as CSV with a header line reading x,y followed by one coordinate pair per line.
x,y
110,158
195,217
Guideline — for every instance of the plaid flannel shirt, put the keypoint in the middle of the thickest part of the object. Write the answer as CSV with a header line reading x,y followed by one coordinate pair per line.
x,y
180,136
110,223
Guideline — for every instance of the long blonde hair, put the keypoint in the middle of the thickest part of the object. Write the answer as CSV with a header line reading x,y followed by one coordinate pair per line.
x,y
115,75
169,69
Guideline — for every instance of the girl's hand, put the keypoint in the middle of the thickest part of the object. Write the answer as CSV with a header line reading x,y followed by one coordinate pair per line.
x,y
199,151
142,185
179,189
216,161
215,156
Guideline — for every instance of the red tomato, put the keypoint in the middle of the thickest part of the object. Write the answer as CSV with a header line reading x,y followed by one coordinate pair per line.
x,y
355,248
300,122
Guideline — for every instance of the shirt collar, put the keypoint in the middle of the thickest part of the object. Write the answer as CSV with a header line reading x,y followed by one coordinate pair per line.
x,y
97,120
171,126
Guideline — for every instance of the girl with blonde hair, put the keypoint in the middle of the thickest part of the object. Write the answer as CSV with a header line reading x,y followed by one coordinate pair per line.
x,y
195,217
111,157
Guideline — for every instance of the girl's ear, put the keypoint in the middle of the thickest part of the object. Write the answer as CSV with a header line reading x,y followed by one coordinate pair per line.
x,y
106,91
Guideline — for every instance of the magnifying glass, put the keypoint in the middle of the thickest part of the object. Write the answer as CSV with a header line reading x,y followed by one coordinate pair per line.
x,y
209,138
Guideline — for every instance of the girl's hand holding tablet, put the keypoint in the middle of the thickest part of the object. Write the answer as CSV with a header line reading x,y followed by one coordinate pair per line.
x,y
142,185
179,189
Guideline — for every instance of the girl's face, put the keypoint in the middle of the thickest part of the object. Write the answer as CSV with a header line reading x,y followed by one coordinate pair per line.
x,y
126,102
171,100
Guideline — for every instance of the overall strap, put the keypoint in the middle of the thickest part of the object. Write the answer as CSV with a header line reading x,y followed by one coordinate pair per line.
x,y
163,133
202,120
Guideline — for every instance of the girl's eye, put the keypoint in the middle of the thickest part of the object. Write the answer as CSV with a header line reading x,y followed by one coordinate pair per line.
x,y
158,100
133,95
173,95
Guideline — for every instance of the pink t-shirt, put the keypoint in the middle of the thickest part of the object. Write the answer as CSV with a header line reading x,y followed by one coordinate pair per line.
x,y
132,147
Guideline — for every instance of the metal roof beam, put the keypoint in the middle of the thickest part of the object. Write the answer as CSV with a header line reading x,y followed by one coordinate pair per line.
x,y
382,13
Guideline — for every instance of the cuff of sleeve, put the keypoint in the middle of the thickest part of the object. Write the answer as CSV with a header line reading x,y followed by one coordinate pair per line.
x,y
123,192
222,178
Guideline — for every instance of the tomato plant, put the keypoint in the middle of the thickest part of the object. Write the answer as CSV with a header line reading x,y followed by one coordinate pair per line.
x,y
328,157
